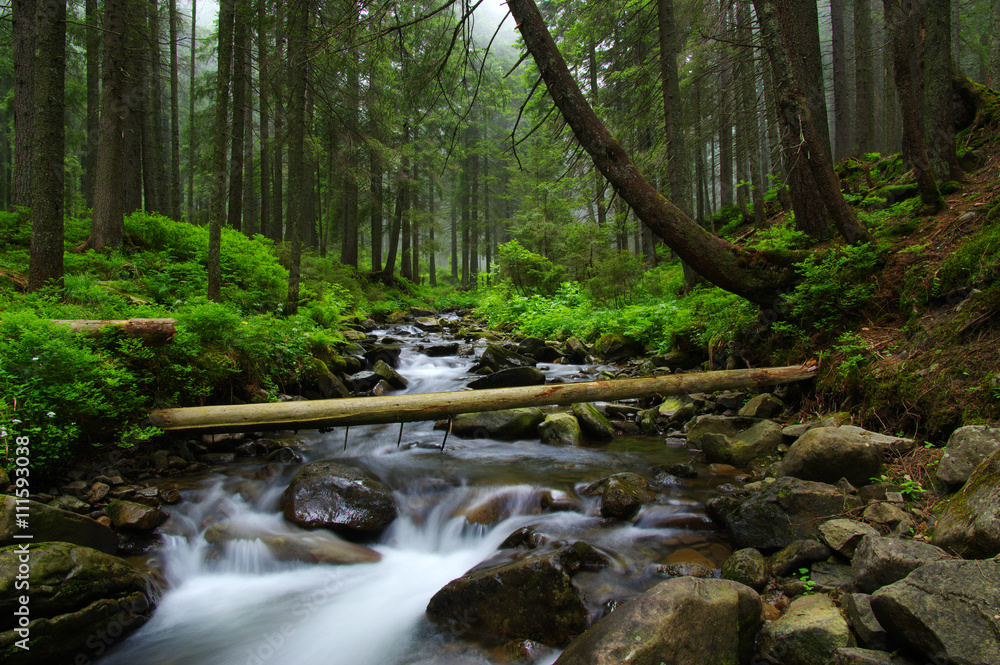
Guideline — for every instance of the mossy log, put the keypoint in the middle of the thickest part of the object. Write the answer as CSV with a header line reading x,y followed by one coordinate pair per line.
x,y
433,406
151,331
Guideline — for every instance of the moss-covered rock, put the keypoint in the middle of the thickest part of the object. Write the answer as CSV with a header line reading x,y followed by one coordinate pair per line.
x,y
807,634
682,621
503,424
621,494
827,454
132,515
51,524
968,524
746,566
560,429
615,347
758,441
593,421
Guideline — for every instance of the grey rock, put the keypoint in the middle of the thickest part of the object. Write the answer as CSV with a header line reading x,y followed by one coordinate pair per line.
x,y
615,347
497,357
856,656
682,621
799,554
132,515
746,566
593,421
535,347
968,524
509,378
701,425
621,494
52,524
387,353
505,424
441,350
880,560
760,440
764,405
333,496
783,512
858,608
946,611
827,454
390,375
560,429
362,382
843,535
807,634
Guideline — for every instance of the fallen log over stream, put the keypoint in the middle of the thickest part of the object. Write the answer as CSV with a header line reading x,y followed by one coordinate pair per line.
x,y
151,331
434,406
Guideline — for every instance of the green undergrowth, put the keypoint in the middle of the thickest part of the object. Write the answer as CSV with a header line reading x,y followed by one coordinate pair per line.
x,y
70,392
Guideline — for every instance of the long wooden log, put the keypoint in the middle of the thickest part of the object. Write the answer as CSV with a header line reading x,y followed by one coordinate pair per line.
x,y
433,406
151,331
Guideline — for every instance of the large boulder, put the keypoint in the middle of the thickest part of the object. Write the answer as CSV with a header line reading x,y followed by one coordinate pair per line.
x,y
699,426
387,353
504,424
621,494
844,535
807,634
946,611
967,448
593,421
76,594
879,560
614,347
535,347
389,375
785,511
968,524
758,441
681,621
133,515
51,524
332,496
560,429
362,382
511,377
827,454
532,597
497,357
576,351
856,656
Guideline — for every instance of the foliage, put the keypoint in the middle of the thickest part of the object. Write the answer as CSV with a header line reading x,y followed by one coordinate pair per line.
x,y
977,257
835,285
527,272
615,280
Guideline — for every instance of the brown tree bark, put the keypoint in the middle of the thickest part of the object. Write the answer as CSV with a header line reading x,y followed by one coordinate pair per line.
x,y
241,42
192,128
135,95
47,166
298,36
263,66
433,406
349,241
151,331
843,111
93,101
220,132
24,36
939,105
175,118
108,222
864,91
901,24
756,277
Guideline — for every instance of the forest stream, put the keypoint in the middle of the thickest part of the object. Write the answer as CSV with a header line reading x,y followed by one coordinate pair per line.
x,y
238,604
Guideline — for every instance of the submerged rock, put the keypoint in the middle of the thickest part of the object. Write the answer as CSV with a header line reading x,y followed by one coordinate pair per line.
x,y
532,597
332,496
681,621
621,494
945,611
308,546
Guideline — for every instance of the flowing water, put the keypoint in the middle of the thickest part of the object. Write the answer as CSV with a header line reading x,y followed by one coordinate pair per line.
x,y
239,605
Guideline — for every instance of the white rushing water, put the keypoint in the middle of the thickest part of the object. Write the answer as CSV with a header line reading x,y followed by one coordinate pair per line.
x,y
238,605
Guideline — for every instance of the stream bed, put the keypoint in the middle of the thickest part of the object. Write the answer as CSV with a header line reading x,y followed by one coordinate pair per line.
x,y
237,604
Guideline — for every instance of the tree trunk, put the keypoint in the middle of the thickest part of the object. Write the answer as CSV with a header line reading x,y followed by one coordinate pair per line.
x,y
241,42
432,250
24,36
939,104
192,128
454,230
799,127
161,203
152,332
902,33
864,112
108,223
349,245
175,118
751,130
135,98
993,47
842,108
220,132
49,72
599,182
266,228
93,102
415,225
433,406
397,223
375,161
298,34
723,264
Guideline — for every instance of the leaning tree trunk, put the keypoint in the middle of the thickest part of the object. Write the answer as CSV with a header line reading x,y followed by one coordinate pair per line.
x,y
725,265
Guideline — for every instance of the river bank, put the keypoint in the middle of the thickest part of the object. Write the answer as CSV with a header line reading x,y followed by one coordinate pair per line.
x,y
697,488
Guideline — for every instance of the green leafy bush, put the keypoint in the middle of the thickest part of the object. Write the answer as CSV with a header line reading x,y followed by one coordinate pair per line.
x,y
527,272
835,285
